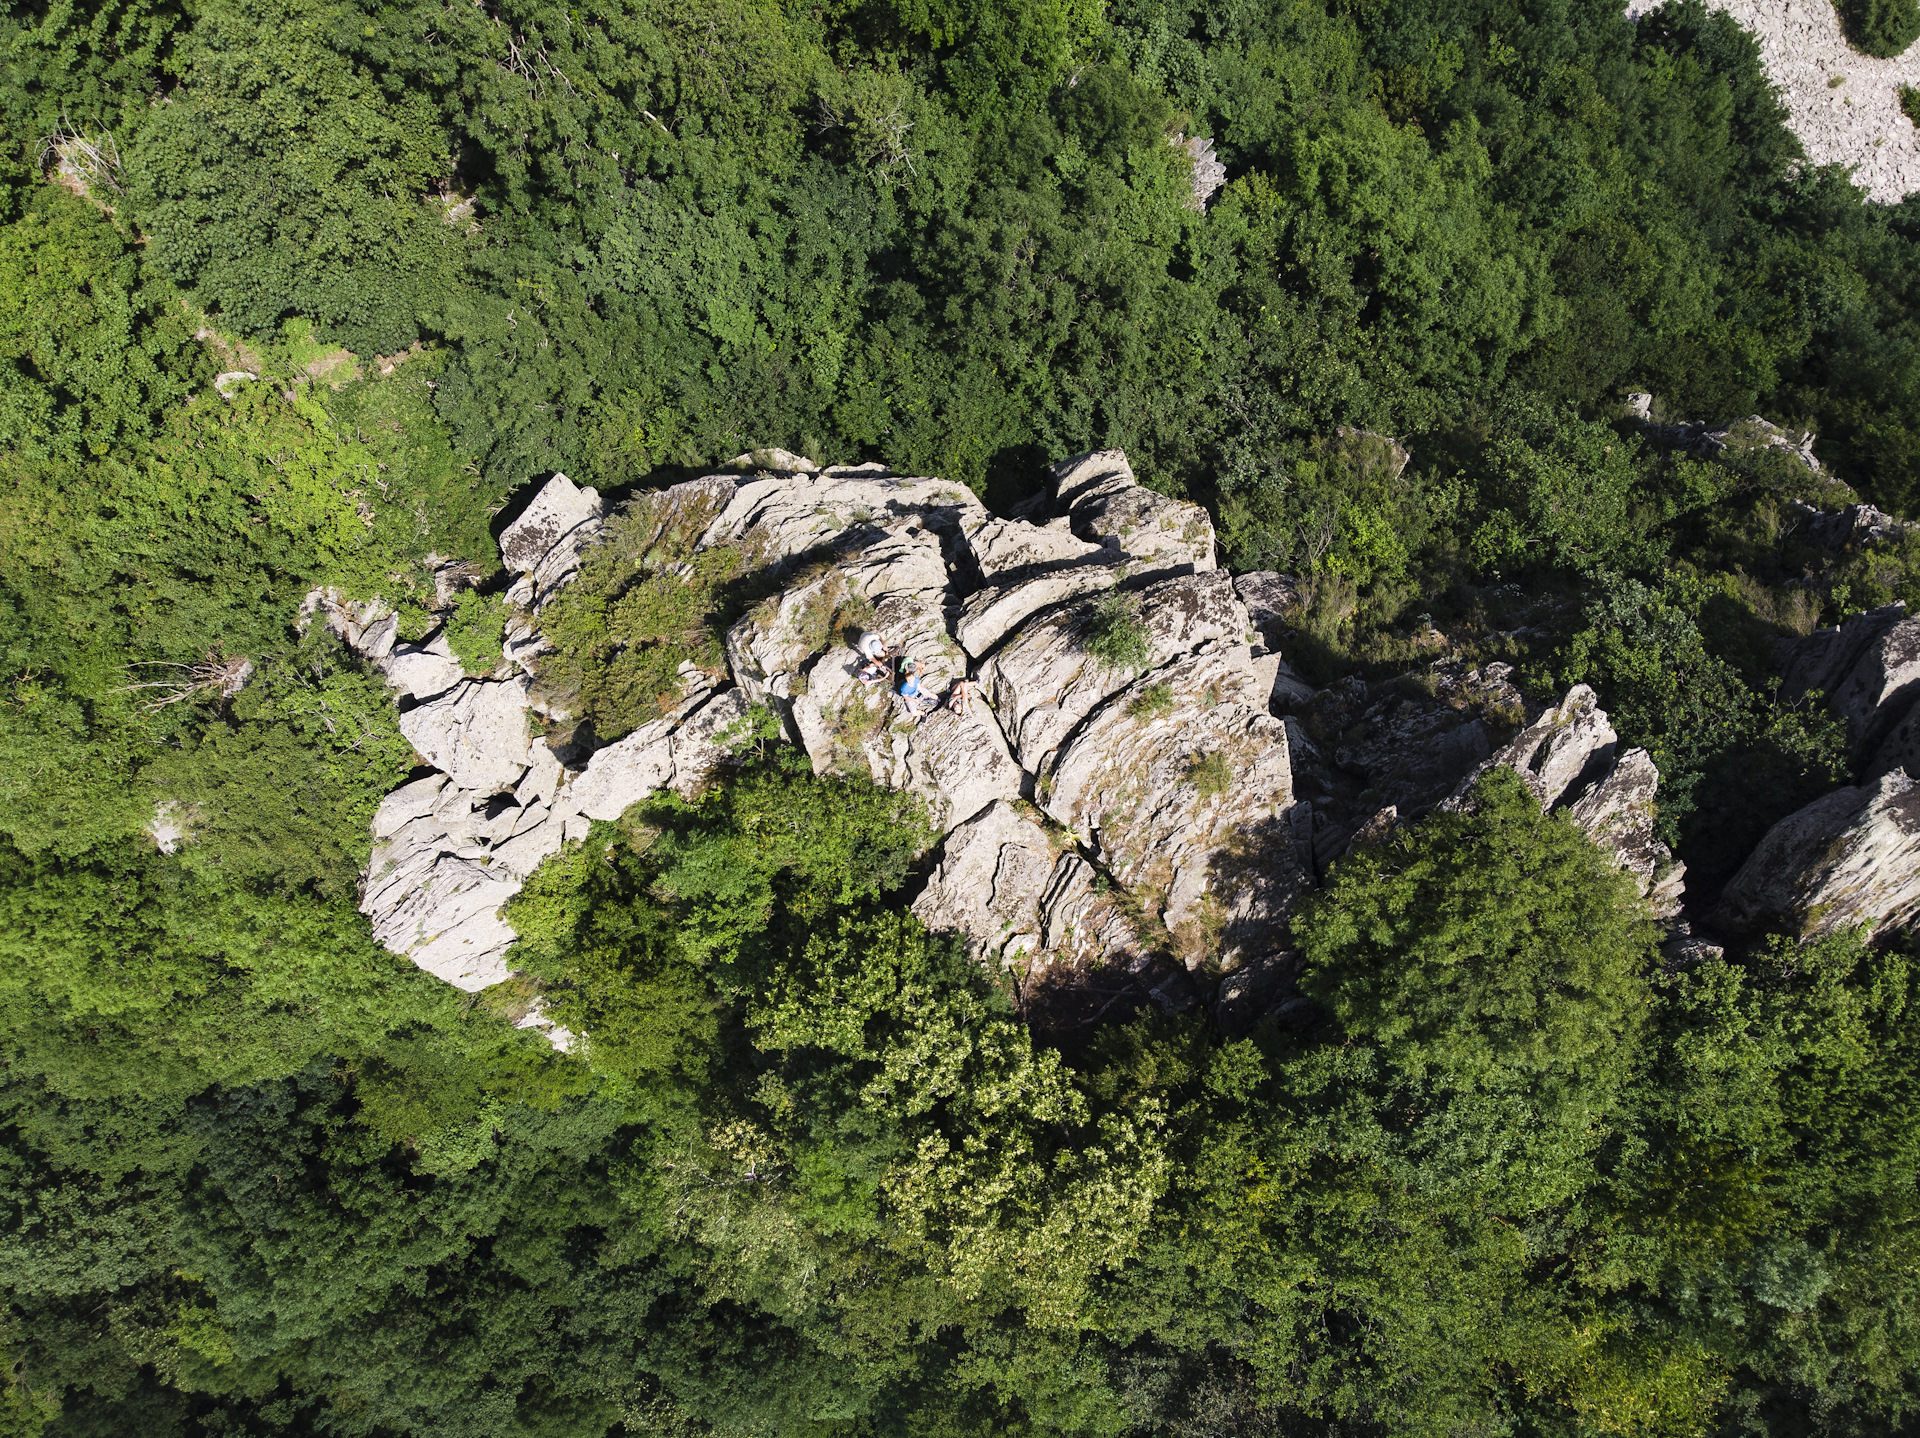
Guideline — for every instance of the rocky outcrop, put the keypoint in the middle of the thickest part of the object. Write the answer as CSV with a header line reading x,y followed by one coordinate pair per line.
x,y
1017,892
1166,786
1849,858
1854,527
1570,757
1709,441
1868,669
1209,175
1104,504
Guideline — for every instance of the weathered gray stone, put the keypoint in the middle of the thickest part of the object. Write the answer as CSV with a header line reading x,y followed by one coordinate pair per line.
x,y
1139,788
777,517
998,610
1850,857
522,854
1209,175
1268,596
1025,568
992,871
1570,758
449,923
1106,505
1618,813
1043,683
423,670
1561,753
544,775
543,546
407,803
475,733
624,773
1851,528
1868,668
702,742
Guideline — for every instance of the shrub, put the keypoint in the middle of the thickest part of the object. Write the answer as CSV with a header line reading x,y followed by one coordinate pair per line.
x,y
1211,774
475,631
1116,635
1880,27
1151,702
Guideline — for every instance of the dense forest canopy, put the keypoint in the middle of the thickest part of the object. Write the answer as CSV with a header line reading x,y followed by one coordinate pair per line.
x,y
298,295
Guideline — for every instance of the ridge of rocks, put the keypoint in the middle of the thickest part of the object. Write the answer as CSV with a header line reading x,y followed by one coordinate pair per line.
x,y
1154,817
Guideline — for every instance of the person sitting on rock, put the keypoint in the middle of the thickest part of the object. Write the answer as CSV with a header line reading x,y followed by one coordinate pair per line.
x,y
915,690
960,697
879,655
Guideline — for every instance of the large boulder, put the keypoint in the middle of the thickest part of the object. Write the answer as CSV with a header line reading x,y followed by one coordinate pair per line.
x,y
475,732
1022,569
542,547
1868,669
1043,682
1106,505
778,516
1020,895
1850,857
1180,783
987,886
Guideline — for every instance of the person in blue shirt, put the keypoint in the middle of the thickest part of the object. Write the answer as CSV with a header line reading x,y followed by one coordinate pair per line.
x,y
915,690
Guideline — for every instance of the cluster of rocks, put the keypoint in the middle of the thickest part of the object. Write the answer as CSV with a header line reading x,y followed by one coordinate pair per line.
x,y
1710,441
1853,527
1087,793
1853,856
1162,816
1843,106
1388,754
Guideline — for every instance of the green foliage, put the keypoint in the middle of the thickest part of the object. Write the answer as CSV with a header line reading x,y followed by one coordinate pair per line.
x,y
806,1169
1152,702
1880,27
280,789
1211,774
1493,962
645,603
476,629
1116,634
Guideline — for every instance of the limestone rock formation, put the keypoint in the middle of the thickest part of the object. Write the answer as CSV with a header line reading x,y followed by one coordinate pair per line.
x,y
543,546
1850,857
1570,758
1849,528
1869,670
1104,504
1209,175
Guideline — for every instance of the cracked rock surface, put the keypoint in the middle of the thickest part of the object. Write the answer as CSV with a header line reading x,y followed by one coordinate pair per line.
x,y
1143,816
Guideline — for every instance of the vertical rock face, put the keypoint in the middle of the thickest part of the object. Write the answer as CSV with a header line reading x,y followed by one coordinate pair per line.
x,y
1570,758
1850,857
1869,671
1104,504
543,546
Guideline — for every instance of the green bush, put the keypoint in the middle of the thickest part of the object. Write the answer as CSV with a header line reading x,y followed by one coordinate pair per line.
x,y
1880,27
1211,774
1151,702
1116,635
475,631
